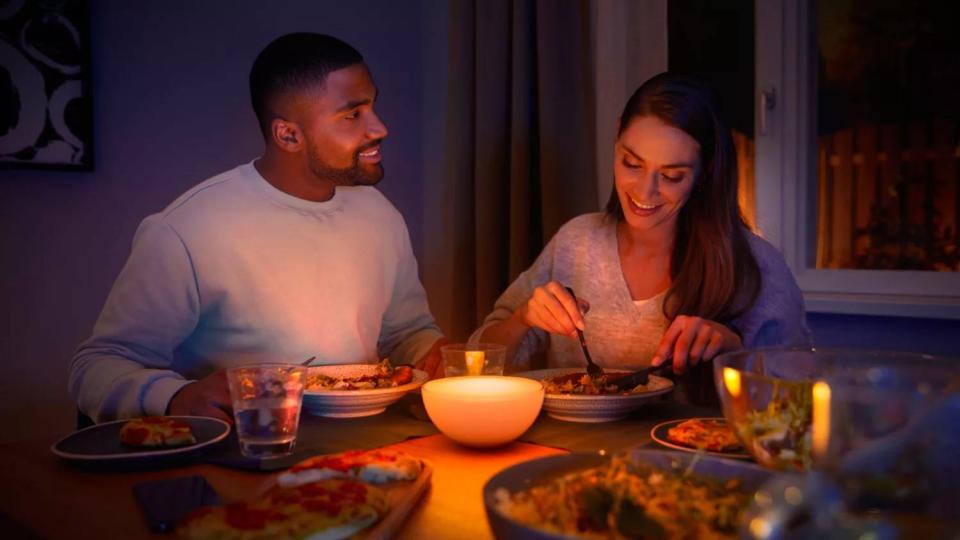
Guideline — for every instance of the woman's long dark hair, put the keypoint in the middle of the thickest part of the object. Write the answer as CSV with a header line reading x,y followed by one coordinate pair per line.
x,y
713,271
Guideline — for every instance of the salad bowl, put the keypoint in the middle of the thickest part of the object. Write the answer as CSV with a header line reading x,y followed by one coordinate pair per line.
x,y
779,402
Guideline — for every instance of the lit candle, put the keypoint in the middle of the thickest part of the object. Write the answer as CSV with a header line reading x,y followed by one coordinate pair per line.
x,y
474,361
821,419
731,378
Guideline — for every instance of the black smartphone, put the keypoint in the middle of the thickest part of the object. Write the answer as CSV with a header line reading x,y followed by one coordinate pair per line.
x,y
165,502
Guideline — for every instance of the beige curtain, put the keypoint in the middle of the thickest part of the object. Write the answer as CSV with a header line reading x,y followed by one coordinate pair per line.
x,y
518,152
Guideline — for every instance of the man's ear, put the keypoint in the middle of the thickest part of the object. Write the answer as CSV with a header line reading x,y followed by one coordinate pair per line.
x,y
286,135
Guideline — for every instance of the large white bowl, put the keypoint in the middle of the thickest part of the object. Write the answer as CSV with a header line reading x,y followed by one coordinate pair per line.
x,y
354,403
483,411
592,409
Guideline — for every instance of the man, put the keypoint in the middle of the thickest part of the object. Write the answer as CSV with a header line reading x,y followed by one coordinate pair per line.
x,y
289,257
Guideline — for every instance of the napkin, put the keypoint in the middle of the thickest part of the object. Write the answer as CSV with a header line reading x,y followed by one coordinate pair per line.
x,y
165,502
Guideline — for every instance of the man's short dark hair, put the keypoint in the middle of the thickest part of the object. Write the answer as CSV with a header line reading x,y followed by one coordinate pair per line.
x,y
293,63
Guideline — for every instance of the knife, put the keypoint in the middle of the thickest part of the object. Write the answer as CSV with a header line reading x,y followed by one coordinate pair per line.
x,y
630,381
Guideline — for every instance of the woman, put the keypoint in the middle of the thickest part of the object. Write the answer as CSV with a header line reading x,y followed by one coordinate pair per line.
x,y
670,273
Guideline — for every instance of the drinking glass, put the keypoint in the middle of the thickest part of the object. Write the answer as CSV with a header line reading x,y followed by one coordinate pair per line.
x,y
266,405
893,440
461,359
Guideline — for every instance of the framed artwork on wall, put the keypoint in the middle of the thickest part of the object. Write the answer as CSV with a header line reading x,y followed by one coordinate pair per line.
x,y
46,118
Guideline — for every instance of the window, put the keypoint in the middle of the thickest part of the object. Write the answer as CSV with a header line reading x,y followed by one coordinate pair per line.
x,y
887,135
857,152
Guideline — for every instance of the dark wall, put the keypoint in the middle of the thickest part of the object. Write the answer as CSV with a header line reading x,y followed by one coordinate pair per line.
x,y
931,336
171,109
714,40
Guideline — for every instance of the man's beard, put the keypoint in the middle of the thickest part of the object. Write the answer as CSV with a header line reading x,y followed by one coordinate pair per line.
x,y
353,175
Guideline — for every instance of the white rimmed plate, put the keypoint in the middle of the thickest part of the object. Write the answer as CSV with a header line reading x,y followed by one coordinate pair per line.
x,y
659,434
354,403
603,408
100,444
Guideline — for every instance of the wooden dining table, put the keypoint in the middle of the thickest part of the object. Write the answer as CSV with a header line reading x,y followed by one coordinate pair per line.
x,y
46,497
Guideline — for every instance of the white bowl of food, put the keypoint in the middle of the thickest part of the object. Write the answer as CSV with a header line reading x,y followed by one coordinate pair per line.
x,y
483,411
355,390
568,396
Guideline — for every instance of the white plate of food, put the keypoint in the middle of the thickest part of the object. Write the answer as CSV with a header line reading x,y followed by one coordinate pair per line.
x,y
572,396
122,442
709,436
355,390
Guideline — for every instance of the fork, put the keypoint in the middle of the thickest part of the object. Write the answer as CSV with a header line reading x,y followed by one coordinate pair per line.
x,y
592,368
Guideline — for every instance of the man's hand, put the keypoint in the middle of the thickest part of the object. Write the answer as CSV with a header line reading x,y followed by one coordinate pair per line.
x,y
690,340
432,362
210,396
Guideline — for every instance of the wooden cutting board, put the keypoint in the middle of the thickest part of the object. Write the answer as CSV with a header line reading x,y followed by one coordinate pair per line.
x,y
402,497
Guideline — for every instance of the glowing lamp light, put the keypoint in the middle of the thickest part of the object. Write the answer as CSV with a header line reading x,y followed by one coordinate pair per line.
x,y
483,411
821,418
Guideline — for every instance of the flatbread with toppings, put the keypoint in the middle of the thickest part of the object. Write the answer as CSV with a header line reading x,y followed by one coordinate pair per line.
x,y
155,432
710,434
374,466
335,508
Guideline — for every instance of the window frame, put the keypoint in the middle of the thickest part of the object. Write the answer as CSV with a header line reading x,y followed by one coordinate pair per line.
x,y
786,197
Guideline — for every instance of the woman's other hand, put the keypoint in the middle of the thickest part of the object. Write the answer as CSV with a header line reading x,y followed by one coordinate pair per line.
x,y
691,340
553,309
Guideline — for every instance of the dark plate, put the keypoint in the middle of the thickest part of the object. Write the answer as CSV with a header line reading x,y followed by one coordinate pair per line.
x,y
538,471
659,434
100,445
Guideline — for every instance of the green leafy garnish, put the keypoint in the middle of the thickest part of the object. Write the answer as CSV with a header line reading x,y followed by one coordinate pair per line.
x,y
596,504
633,522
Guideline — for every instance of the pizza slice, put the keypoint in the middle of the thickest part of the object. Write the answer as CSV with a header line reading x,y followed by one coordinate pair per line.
x,y
156,431
324,510
711,434
374,466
